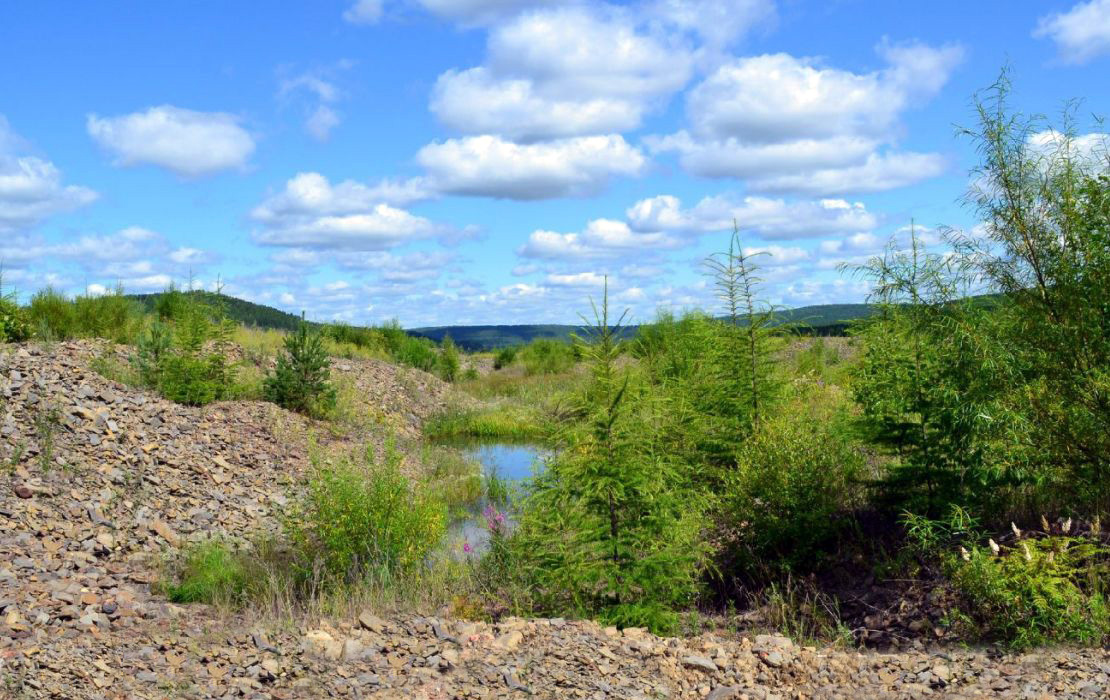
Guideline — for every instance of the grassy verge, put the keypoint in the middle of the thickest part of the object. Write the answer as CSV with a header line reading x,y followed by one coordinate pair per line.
x,y
506,422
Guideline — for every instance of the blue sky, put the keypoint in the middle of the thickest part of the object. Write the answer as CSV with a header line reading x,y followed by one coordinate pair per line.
x,y
489,161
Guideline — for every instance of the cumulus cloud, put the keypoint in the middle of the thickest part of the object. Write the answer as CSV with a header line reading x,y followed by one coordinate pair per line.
x,y
183,141
716,22
602,238
771,219
137,258
493,167
364,12
879,172
31,188
564,72
1081,33
312,213
318,92
474,12
577,279
792,124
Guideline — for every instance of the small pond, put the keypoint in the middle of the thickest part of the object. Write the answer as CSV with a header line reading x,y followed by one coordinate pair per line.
x,y
513,465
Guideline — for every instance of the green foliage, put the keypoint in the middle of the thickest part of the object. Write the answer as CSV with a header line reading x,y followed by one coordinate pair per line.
x,y
52,315
608,528
184,356
1046,591
299,382
361,518
1031,592
546,356
927,382
504,422
14,327
1045,247
211,572
505,357
112,316
792,493
407,349
449,362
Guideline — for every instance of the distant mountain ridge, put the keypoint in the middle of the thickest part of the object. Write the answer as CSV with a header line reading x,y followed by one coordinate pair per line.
x,y
820,319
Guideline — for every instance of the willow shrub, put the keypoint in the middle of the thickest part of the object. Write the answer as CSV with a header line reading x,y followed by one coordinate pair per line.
x,y
363,518
14,326
792,493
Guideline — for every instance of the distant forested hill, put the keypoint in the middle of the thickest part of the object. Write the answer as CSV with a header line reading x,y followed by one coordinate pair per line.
x,y
245,312
822,319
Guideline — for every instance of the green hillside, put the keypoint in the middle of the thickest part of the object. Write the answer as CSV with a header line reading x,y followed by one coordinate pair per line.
x,y
821,319
241,311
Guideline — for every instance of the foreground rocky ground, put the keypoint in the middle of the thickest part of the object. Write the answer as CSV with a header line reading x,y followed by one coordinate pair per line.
x,y
101,482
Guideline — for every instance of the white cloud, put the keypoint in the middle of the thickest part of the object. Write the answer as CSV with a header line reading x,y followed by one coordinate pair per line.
x,y
473,12
879,172
717,22
31,188
774,255
319,90
187,255
312,213
186,142
1089,149
602,238
564,72
1081,34
771,219
785,123
320,123
492,167
364,12
578,279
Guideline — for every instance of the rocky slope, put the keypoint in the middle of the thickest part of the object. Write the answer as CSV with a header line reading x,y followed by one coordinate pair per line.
x,y
101,481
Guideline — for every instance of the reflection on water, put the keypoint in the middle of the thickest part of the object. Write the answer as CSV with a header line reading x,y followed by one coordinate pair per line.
x,y
511,465
510,462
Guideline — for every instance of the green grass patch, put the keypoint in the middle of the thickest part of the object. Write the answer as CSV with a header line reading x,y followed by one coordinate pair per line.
x,y
507,422
210,572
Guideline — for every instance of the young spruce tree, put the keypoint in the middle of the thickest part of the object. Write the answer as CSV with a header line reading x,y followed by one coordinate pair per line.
x,y
300,380
609,528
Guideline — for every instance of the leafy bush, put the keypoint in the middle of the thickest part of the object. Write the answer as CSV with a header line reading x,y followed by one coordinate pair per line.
x,y
505,357
407,349
357,519
299,382
547,356
52,315
1042,591
14,327
1033,591
791,494
110,316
